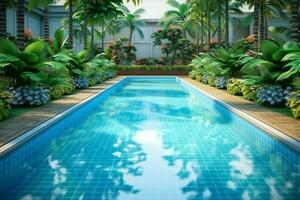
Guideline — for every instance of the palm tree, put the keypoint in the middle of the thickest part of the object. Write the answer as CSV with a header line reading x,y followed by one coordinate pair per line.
x,y
295,20
226,23
20,23
219,27
44,4
113,28
179,16
69,5
131,21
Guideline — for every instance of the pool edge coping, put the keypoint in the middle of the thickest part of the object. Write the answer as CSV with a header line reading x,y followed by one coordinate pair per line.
x,y
19,140
279,135
273,132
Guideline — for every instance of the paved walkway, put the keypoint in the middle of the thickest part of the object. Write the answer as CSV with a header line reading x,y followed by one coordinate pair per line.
x,y
274,119
14,127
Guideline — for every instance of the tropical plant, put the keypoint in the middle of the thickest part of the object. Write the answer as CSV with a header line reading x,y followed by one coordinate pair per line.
x,y
5,104
131,21
20,23
174,44
120,52
293,103
234,86
268,67
180,17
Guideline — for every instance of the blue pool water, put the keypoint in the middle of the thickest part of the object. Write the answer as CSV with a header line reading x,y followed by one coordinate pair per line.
x,y
151,139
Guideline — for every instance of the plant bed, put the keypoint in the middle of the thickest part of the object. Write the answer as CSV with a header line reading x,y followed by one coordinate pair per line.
x,y
152,70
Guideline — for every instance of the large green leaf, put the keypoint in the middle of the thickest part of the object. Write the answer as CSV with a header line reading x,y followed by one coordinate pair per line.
x,y
6,58
29,57
8,47
36,47
268,48
83,55
31,76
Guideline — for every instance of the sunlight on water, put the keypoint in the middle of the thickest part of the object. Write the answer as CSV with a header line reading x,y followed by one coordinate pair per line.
x,y
151,139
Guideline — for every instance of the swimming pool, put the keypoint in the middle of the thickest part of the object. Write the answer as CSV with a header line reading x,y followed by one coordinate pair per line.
x,y
151,138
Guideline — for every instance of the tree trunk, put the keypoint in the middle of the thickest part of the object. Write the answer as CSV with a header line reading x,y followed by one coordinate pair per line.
x,y
84,29
256,24
2,19
70,38
219,22
92,41
202,30
46,25
266,26
227,24
198,38
20,24
295,20
130,36
209,29
261,26
103,37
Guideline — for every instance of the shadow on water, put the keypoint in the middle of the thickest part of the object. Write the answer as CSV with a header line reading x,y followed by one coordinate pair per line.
x,y
223,115
80,160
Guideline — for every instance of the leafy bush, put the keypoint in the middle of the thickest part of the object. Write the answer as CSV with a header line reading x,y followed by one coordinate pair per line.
x,y
211,81
205,79
273,95
29,96
293,103
221,82
120,52
81,83
5,104
174,45
267,67
250,91
234,86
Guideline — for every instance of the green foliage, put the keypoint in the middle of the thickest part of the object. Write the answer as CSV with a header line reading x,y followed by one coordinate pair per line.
x,y
59,41
5,104
293,103
268,67
120,52
234,86
27,67
174,45
211,81
250,91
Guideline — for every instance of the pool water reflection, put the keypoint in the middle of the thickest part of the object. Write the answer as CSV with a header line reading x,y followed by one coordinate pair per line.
x,y
151,138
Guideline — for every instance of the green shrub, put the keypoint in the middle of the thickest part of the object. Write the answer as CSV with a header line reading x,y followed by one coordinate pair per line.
x,y
5,104
293,103
234,86
221,82
250,91
211,81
